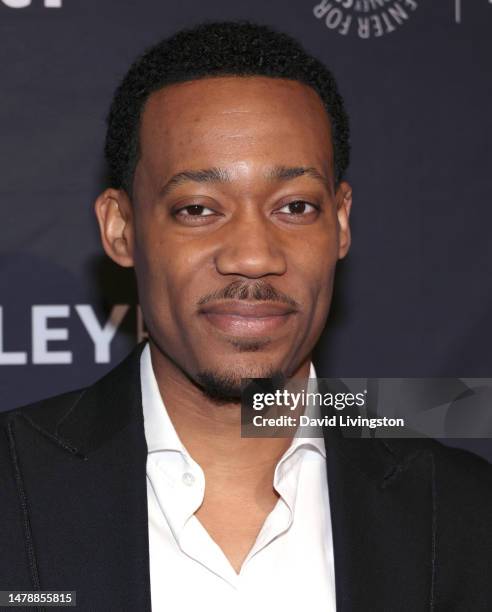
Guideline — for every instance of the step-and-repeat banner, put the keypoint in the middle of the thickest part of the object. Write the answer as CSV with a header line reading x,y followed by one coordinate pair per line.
x,y
414,296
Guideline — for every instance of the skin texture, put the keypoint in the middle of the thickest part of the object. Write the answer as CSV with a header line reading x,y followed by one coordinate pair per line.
x,y
253,242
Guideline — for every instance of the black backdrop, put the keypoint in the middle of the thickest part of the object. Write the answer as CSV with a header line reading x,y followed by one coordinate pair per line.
x,y
414,296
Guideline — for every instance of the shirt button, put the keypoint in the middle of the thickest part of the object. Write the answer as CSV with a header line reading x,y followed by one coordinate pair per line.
x,y
188,479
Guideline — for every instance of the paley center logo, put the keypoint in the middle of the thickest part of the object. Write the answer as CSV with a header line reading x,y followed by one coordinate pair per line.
x,y
365,18
374,18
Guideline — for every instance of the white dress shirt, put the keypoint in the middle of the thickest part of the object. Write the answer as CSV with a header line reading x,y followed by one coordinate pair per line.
x,y
290,566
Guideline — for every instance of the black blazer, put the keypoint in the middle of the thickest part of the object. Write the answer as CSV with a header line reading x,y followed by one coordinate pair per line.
x,y
412,519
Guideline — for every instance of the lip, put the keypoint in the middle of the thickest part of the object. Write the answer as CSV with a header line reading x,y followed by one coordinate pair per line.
x,y
246,318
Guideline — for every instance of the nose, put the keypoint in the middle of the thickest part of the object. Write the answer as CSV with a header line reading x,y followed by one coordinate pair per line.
x,y
250,248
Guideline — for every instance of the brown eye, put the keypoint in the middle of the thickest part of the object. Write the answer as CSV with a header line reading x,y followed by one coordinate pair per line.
x,y
195,210
195,215
299,207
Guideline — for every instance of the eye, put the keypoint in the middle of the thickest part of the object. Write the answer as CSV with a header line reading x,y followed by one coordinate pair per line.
x,y
195,210
298,208
195,214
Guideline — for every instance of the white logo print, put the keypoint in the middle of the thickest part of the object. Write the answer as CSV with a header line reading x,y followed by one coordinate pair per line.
x,y
374,18
365,18
17,4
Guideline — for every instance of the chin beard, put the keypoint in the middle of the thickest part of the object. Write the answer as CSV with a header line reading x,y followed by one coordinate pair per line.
x,y
227,387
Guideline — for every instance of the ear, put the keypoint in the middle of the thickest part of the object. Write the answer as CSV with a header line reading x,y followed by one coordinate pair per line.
x,y
343,200
115,217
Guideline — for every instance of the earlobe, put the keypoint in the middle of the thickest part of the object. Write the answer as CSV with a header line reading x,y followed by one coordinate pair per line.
x,y
114,215
344,204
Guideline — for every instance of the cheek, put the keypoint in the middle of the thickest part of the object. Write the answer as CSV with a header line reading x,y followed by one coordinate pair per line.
x,y
315,263
153,270
168,271
155,253
315,259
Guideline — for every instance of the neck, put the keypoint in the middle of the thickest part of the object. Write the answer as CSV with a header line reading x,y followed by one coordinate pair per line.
x,y
211,432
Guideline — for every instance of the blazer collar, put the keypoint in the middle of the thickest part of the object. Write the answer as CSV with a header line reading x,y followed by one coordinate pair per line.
x,y
96,413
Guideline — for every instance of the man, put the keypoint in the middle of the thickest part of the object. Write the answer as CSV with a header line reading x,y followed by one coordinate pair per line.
x,y
227,146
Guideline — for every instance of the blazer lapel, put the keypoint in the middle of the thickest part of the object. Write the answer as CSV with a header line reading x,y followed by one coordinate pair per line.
x,y
383,510
85,482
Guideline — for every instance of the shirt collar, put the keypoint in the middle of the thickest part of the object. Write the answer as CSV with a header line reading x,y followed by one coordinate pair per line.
x,y
298,441
159,430
160,433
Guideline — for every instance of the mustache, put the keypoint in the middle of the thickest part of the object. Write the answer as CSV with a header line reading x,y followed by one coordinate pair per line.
x,y
247,290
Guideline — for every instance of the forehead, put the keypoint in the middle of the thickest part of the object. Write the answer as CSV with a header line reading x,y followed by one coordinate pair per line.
x,y
227,120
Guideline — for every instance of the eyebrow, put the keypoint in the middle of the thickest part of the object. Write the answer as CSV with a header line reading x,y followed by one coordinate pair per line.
x,y
221,175
285,173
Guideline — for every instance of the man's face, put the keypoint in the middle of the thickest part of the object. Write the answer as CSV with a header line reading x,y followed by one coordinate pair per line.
x,y
235,229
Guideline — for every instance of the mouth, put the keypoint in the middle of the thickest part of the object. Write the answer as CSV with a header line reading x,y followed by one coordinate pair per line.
x,y
248,319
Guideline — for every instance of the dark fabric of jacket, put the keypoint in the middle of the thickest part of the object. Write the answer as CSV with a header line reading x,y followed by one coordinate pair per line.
x,y
412,519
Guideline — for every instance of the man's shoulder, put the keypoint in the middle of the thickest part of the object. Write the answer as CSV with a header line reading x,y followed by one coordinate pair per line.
x,y
53,407
457,472
451,456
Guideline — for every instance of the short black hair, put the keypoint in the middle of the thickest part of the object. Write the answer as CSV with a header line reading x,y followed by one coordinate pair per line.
x,y
228,48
